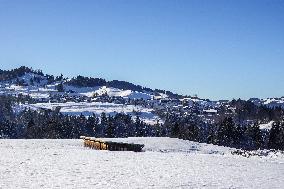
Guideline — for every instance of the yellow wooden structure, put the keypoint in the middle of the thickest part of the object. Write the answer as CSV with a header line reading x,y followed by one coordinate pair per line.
x,y
99,144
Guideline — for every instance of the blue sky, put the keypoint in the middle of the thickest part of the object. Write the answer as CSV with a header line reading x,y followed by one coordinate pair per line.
x,y
215,49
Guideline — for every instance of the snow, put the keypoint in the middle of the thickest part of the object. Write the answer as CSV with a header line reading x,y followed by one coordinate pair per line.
x,y
273,102
166,144
166,163
88,91
88,108
112,92
39,95
35,91
210,111
266,126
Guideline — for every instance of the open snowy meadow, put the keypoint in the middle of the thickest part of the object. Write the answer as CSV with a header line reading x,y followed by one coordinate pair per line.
x,y
165,163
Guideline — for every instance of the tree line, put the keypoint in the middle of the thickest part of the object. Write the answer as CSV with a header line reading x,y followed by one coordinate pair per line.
x,y
226,133
53,124
44,123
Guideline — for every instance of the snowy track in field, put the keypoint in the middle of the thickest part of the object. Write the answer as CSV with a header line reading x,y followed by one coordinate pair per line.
x,y
166,163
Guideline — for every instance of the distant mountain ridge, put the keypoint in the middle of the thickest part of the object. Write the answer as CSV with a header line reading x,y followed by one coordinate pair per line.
x,y
81,81
18,76
17,72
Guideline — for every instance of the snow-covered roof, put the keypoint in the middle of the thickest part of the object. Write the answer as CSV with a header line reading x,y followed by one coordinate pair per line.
x,y
210,111
266,126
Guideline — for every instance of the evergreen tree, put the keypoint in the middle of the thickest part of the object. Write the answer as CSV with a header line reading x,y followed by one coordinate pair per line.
x,y
276,136
60,87
31,129
256,136
110,130
103,125
226,132
92,126
138,127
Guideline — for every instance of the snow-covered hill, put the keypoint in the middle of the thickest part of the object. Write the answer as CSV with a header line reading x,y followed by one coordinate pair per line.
x,y
166,163
95,95
89,108
30,84
44,93
42,89
117,93
269,102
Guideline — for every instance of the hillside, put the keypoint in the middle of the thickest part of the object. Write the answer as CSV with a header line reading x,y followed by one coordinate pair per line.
x,y
38,105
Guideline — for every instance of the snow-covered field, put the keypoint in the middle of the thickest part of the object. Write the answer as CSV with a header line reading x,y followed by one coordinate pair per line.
x,y
88,108
166,163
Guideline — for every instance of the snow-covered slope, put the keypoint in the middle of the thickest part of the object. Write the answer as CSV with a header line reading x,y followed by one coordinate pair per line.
x,y
41,89
36,87
166,144
266,126
273,102
30,76
166,163
87,109
36,90
269,102
91,91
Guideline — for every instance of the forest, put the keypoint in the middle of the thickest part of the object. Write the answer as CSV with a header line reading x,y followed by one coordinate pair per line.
x,y
55,125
